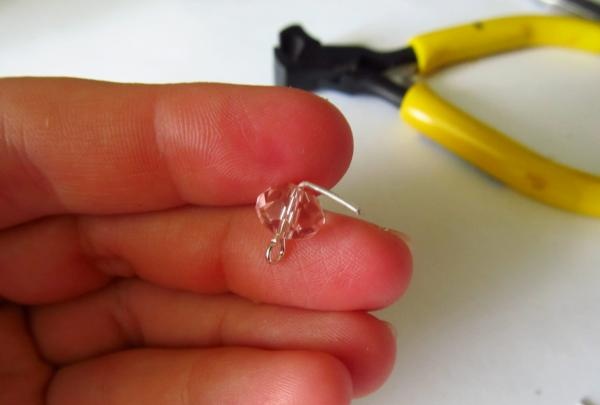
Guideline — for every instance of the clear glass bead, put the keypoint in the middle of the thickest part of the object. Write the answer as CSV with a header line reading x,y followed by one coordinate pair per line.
x,y
305,215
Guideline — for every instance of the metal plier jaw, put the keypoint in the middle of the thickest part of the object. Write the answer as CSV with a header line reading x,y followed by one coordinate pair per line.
x,y
301,61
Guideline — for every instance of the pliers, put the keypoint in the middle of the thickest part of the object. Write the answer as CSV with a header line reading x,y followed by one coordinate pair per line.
x,y
301,61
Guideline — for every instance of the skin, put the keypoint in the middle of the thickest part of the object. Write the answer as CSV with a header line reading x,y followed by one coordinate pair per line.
x,y
131,259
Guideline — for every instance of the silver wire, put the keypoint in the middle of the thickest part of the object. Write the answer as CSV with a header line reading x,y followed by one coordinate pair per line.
x,y
285,220
331,195
276,241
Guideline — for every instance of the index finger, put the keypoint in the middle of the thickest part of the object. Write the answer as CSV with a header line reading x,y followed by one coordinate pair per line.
x,y
69,145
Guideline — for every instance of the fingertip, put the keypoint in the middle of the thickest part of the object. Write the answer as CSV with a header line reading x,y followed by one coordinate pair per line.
x,y
374,352
321,142
367,268
252,137
392,267
314,378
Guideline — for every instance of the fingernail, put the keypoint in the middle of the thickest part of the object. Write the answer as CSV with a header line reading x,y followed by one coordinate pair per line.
x,y
402,236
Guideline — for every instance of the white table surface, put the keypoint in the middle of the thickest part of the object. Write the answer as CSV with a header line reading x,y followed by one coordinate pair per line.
x,y
504,307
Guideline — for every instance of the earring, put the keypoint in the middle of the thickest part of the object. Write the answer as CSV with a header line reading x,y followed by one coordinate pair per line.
x,y
293,212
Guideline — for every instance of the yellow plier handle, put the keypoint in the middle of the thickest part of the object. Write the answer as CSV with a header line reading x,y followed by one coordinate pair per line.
x,y
485,147
302,61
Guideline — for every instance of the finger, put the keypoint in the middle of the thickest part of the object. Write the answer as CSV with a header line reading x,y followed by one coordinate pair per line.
x,y
348,265
44,261
23,375
209,376
133,314
80,146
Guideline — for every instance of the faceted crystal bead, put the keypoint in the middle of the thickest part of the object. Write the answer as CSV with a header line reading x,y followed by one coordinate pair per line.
x,y
305,220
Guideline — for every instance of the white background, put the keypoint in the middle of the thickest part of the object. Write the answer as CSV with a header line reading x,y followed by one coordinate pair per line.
x,y
504,306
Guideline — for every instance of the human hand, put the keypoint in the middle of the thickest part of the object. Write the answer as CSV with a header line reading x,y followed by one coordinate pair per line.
x,y
132,263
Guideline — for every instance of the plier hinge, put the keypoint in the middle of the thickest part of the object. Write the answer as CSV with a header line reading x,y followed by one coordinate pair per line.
x,y
301,61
